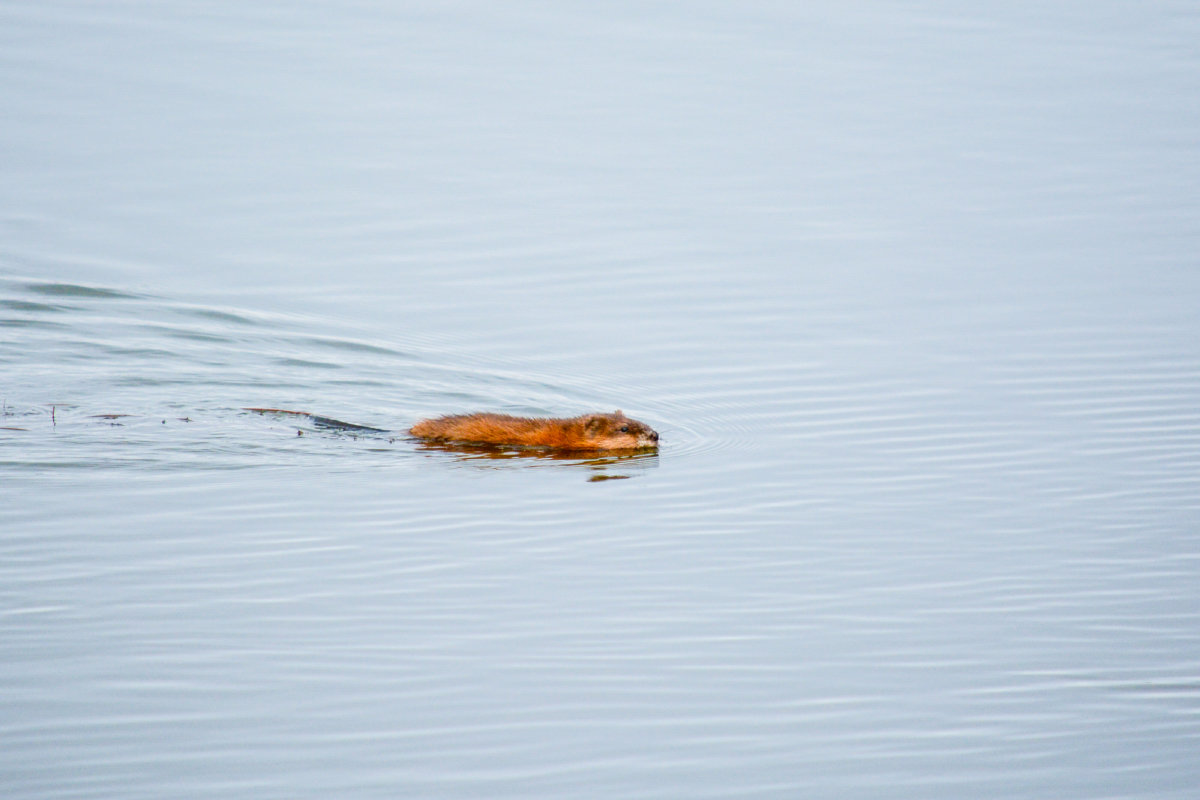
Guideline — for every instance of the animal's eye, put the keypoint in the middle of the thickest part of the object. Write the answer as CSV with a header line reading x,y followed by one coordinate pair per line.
x,y
624,429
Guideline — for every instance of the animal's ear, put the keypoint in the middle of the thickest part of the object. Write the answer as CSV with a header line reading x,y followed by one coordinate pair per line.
x,y
594,424
618,413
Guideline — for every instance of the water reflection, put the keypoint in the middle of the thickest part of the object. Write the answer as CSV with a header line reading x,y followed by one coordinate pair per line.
x,y
484,455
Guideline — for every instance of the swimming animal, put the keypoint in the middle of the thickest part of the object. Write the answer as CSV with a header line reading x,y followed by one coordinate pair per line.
x,y
588,432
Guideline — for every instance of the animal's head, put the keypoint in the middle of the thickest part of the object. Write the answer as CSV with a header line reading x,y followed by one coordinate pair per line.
x,y
618,432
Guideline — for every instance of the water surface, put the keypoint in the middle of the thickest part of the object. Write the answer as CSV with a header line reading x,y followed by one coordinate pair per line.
x,y
909,290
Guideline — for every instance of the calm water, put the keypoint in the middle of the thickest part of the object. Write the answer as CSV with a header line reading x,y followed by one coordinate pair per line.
x,y
911,292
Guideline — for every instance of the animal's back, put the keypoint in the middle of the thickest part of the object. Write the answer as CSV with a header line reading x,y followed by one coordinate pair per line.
x,y
588,432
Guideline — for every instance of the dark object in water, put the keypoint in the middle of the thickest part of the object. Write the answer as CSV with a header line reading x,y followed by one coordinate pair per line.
x,y
319,421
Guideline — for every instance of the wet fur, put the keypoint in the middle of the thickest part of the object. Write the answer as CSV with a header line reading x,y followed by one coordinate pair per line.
x,y
587,432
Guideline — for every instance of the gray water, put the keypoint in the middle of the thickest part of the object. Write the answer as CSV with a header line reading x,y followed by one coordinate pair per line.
x,y
910,290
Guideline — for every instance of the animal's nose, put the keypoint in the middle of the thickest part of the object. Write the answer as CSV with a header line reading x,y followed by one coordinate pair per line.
x,y
654,436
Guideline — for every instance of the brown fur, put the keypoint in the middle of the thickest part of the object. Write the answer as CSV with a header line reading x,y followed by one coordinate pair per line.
x,y
589,432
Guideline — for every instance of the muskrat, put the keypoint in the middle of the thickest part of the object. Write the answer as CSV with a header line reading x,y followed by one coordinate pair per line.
x,y
589,432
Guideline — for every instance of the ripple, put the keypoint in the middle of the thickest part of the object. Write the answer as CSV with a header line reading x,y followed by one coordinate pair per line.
x,y
32,307
78,290
31,323
351,345
219,315
307,364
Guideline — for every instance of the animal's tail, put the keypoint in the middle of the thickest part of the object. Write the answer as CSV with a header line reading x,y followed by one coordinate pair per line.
x,y
319,421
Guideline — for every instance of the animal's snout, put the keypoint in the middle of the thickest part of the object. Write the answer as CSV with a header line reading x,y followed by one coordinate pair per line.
x,y
654,436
